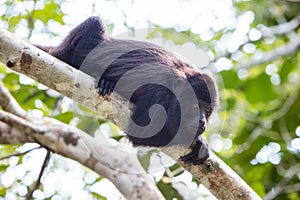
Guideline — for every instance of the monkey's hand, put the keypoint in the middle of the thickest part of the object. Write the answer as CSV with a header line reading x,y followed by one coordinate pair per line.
x,y
199,153
105,86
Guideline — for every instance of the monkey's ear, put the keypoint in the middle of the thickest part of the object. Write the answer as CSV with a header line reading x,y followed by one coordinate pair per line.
x,y
212,88
205,88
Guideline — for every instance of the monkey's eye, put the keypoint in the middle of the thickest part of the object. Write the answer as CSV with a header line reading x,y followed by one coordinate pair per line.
x,y
209,111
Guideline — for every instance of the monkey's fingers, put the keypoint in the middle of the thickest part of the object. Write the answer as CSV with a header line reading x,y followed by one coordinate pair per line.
x,y
100,86
110,87
189,158
105,86
194,158
198,155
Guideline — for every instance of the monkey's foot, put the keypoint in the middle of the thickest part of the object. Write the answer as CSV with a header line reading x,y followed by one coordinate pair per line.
x,y
198,155
105,86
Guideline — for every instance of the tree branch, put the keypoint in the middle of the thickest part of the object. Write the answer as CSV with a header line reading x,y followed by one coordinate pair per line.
x,y
8,103
73,143
284,50
18,154
38,182
281,28
28,60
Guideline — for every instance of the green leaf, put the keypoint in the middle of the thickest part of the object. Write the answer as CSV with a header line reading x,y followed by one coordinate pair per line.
x,y
98,196
88,124
65,117
2,192
144,158
260,89
114,130
168,191
8,149
3,68
230,103
3,167
13,21
230,79
26,95
258,187
51,11
11,80
288,65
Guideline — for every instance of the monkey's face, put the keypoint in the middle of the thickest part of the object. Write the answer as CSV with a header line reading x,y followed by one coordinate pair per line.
x,y
197,105
207,100
198,116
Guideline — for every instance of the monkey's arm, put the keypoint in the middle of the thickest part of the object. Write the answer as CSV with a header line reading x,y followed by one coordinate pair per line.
x,y
199,153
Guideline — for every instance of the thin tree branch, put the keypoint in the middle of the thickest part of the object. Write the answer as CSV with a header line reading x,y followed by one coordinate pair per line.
x,y
8,103
282,186
19,153
280,29
38,182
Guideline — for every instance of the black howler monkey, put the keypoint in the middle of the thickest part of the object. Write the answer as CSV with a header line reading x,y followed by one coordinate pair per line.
x,y
172,102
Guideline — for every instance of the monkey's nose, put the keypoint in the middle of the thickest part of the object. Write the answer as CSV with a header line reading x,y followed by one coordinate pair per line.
x,y
202,121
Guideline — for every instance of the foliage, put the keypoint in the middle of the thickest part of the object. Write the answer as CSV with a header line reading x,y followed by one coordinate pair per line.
x,y
258,122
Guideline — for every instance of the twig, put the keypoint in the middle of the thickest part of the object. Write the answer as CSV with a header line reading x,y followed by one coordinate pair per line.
x,y
282,185
19,154
280,29
38,182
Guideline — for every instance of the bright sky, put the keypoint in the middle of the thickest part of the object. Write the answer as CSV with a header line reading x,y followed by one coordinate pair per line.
x,y
199,15
203,17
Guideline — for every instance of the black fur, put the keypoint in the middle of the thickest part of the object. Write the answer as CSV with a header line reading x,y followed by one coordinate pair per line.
x,y
159,78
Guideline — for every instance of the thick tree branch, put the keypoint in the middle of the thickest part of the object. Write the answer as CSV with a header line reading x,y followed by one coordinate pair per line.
x,y
71,142
17,127
281,28
291,47
23,58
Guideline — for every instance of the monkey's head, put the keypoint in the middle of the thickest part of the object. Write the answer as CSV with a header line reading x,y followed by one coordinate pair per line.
x,y
188,106
197,111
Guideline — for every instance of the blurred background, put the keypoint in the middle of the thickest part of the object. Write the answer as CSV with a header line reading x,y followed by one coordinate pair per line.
x,y
254,46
